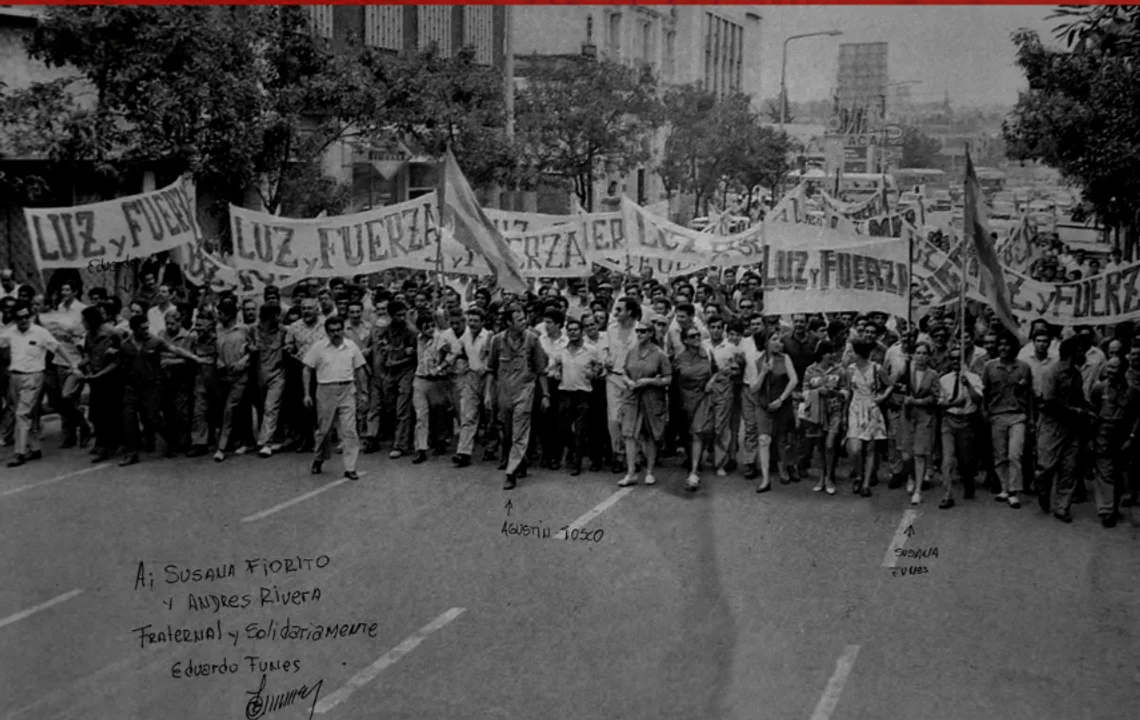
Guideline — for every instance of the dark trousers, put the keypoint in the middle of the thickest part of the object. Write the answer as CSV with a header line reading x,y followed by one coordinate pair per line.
x,y
178,404
554,441
141,405
573,409
597,427
105,412
64,399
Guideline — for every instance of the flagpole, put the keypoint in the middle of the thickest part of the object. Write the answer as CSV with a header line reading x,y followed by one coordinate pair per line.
x,y
441,169
966,228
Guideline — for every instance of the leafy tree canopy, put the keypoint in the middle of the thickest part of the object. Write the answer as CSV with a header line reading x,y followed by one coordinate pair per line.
x,y
578,117
919,150
1081,113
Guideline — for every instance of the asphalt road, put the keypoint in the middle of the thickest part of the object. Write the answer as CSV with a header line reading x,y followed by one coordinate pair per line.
x,y
721,604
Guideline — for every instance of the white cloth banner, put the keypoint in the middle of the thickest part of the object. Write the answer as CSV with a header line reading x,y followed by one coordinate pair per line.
x,y
869,278
114,231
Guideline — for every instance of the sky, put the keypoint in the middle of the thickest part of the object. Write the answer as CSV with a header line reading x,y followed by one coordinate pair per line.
x,y
965,50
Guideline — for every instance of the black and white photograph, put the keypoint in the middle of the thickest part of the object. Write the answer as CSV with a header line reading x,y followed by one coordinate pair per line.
x,y
569,362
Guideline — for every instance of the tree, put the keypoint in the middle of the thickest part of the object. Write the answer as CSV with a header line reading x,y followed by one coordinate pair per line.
x,y
440,102
241,98
919,150
717,144
772,111
576,116
1081,113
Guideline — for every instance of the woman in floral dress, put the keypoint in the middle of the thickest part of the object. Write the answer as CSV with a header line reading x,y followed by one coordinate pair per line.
x,y
865,422
824,412
645,412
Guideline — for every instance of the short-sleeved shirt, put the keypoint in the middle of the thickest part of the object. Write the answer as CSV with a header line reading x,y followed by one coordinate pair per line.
x,y
270,349
29,349
334,364
430,354
234,343
576,366
393,347
949,383
299,337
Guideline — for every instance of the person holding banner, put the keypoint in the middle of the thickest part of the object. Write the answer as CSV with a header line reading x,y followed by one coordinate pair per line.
x,y
961,399
645,412
775,416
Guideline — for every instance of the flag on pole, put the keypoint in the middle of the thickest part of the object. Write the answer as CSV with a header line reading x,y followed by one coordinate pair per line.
x,y
460,212
977,232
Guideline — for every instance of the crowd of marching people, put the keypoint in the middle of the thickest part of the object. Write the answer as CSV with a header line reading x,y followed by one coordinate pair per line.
x,y
608,373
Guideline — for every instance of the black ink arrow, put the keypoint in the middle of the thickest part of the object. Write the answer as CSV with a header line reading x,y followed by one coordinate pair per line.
x,y
509,506
909,530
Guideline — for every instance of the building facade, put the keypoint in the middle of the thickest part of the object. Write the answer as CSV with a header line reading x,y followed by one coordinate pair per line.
x,y
716,46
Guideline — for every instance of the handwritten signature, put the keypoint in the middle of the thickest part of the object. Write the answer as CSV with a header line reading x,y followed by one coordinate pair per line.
x,y
260,705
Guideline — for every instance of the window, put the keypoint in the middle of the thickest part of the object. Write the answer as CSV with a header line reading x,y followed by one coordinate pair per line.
x,y
435,28
647,42
670,54
613,34
479,32
724,55
384,26
321,18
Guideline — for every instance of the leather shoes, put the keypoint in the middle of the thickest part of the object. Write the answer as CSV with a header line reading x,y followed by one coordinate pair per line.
x,y
17,461
1063,517
351,475
946,503
421,457
316,468
1108,521
461,460
35,455
129,460
509,483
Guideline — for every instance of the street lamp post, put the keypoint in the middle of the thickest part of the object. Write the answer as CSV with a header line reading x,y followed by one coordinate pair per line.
x,y
784,70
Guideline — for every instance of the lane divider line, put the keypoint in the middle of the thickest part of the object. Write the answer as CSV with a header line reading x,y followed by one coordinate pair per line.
x,y
595,512
52,481
289,503
830,699
891,558
42,606
386,660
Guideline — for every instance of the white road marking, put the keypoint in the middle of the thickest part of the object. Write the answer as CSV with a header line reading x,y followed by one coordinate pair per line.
x,y
51,481
389,658
835,685
596,511
891,559
294,501
42,606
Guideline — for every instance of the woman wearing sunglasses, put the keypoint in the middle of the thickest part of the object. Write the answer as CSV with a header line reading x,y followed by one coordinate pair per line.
x,y
696,372
646,410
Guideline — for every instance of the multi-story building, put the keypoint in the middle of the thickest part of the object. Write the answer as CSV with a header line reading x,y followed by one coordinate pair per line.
x,y
716,46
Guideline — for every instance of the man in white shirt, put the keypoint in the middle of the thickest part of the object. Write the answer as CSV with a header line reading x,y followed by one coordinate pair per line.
x,y
29,345
961,400
156,315
472,383
574,366
65,323
435,354
548,427
616,344
339,368
8,285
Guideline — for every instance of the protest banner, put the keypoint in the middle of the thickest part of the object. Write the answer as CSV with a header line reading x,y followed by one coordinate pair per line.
x,y
869,278
511,221
401,235
114,231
